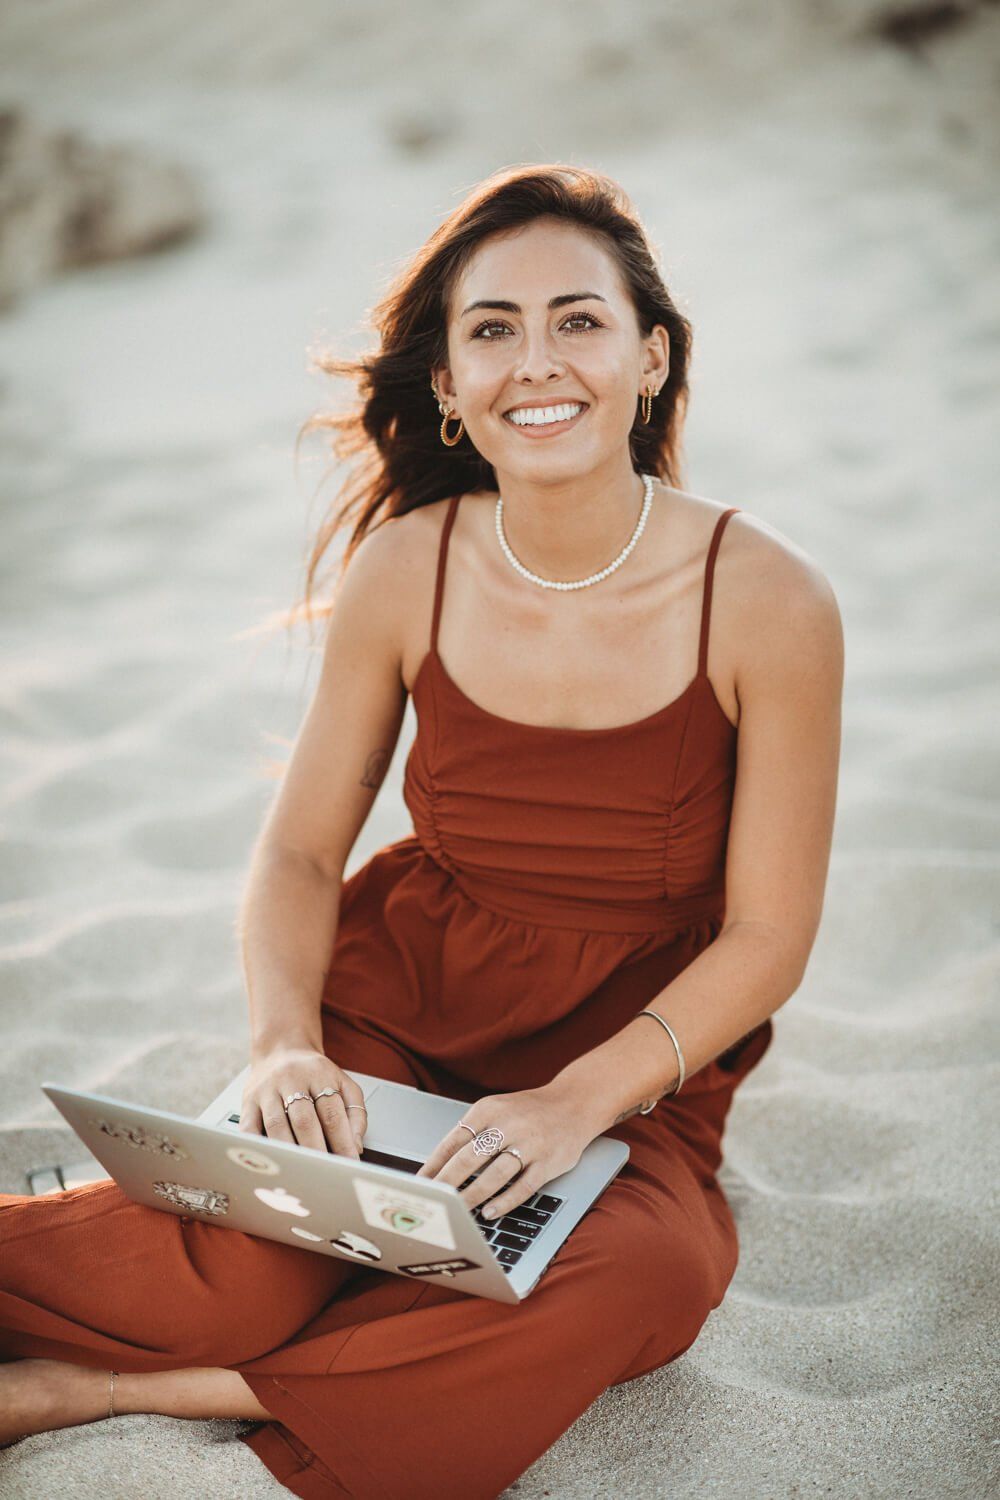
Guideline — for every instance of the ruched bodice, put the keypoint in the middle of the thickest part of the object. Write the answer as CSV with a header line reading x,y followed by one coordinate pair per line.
x,y
622,828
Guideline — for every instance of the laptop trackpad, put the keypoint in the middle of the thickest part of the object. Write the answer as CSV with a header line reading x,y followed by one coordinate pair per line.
x,y
409,1120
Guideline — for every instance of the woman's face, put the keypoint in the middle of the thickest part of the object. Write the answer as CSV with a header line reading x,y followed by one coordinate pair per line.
x,y
586,351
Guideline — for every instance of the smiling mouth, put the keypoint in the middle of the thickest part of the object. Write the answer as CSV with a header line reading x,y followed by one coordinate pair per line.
x,y
535,428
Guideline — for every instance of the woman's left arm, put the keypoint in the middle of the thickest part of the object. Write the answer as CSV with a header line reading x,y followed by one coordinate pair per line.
x,y
789,683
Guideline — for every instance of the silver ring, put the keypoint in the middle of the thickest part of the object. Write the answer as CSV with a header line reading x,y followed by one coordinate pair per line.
x,y
488,1141
468,1127
354,1106
323,1093
292,1098
513,1151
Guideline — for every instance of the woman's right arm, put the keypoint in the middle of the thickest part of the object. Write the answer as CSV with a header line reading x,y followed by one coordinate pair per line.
x,y
289,912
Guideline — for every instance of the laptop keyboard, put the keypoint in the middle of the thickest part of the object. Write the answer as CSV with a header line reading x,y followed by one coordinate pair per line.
x,y
509,1237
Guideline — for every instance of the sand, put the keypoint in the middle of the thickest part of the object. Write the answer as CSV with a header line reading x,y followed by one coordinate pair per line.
x,y
825,205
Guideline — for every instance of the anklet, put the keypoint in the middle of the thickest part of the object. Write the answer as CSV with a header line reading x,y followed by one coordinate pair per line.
x,y
111,1398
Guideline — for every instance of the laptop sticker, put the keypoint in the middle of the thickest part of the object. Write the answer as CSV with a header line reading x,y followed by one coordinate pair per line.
x,y
285,1203
202,1200
404,1212
306,1234
253,1161
441,1267
357,1245
142,1139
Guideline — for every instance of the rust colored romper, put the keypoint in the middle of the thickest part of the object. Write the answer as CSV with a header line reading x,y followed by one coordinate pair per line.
x,y
557,879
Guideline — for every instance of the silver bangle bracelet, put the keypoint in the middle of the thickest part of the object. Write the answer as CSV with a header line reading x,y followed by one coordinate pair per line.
x,y
680,1061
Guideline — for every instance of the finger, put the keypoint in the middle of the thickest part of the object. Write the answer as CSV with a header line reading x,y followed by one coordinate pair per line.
x,y
467,1167
495,1179
511,1198
355,1109
250,1118
336,1126
275,1120
304,1120
445,1150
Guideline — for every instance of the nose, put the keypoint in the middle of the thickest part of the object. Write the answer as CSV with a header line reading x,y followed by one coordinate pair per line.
x,y
537,359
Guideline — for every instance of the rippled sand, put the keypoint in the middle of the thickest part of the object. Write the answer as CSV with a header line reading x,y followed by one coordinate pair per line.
x,y
824,204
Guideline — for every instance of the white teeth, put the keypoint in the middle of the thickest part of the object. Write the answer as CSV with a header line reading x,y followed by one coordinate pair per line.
x,y
539,416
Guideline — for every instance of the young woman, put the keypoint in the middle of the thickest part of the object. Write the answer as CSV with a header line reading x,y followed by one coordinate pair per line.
x,y
622,788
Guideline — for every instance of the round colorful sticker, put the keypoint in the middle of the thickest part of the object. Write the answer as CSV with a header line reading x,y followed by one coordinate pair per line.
x,y
253,1161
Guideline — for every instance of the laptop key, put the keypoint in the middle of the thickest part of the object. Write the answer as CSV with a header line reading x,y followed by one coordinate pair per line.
x,y
517,1226
513,1241
547,1203
529,1215
508,1257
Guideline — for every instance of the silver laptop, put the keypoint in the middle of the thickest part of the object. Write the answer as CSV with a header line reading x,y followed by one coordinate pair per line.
x,y
368,1211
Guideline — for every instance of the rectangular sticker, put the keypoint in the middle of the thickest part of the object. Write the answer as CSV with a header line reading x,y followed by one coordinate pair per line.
x,y
402,1212
441,1267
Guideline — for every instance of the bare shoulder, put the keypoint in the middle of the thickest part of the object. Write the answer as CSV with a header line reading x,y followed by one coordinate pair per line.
x,y
772,599
401,545
394,560
388,584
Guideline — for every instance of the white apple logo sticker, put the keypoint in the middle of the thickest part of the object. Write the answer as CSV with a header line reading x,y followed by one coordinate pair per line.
x,y
284,1202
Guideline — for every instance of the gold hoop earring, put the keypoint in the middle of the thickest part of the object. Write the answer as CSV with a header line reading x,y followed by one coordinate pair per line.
x,y
647,403
451,441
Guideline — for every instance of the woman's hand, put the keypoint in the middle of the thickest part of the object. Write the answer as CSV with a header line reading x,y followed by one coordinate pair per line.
x,y
546,1125
324,1124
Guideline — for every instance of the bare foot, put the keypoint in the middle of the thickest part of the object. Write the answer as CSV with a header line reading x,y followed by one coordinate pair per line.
x,y
41,1395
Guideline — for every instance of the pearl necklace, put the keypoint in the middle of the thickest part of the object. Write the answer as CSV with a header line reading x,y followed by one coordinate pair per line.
x,y
579,583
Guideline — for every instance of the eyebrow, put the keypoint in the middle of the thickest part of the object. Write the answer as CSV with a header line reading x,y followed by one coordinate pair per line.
x,y
512,307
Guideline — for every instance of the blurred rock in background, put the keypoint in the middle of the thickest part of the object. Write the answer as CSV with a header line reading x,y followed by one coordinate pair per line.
x,y
65,201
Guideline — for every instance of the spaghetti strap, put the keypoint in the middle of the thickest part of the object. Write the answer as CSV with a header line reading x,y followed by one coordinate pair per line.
x,y
449,521
706,603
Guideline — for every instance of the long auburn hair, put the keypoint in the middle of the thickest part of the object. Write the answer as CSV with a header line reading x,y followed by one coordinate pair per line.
x,y
392,432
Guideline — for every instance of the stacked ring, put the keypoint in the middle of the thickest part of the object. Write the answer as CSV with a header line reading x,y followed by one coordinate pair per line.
x,y
292,1098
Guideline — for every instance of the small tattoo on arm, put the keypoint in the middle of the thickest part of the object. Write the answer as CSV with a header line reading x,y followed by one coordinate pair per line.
x,y
375,768
626,1113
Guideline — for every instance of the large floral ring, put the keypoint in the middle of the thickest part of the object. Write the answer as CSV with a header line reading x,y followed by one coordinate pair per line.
x,y
488,1142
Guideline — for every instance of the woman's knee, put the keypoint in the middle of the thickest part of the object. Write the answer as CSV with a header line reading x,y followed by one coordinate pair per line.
x,y
246,1295
658,1271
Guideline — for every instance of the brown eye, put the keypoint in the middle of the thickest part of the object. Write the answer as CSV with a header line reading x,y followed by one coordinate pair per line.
x,y
492,323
